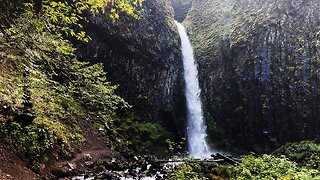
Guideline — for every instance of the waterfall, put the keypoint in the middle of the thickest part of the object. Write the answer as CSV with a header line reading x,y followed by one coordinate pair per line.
x,y
196,129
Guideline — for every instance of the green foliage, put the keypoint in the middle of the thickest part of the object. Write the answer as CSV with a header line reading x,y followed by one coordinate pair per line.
x,y
31,141
175,147
266,167
116,6
63,17
270,167
59,83
224,171
90,87
46,94
189,170
154,131
305,153
42,80
146,134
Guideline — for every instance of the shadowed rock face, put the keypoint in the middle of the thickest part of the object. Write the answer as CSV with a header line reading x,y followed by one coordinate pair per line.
x,y
181,9
142,56
258,67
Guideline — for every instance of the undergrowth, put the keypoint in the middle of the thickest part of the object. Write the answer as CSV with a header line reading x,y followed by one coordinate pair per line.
x,y
46,93
297,161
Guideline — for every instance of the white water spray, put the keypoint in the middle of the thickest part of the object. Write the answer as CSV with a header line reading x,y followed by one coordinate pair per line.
x,y
196,130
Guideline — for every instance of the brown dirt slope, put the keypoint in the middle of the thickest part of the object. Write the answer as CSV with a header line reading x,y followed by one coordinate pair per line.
x,y
12,167
95,147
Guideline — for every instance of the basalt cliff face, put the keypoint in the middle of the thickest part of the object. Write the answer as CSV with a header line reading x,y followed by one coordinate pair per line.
x,y
142,56
258,70
258,66
181,9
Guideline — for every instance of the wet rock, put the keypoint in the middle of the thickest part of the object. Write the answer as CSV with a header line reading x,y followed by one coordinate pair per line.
x,y
86,176
42,167
72,166
99,169
68,169
87,157
60,172
108,175
89,164
150,29
9,176
136,158
107,164
78,178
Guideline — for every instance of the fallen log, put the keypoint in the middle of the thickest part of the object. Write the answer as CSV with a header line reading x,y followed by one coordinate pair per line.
x,y
227,159
194,160
216,158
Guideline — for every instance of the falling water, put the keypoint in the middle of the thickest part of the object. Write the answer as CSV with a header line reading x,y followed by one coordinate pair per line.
x,y
196,131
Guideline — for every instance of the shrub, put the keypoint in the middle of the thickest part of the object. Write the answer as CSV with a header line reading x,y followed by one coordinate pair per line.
x,y
189,170
269,167
31,142
306,153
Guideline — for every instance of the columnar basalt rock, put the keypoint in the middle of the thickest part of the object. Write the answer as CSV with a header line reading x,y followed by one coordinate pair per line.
x,y
143,57
258,64
181,9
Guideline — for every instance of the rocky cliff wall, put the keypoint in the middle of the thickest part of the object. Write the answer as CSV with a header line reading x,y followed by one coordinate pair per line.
x,y
181,9
142,56
258,66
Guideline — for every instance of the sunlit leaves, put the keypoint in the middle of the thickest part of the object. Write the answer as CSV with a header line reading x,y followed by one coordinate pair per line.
x,y
115,7
61,17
